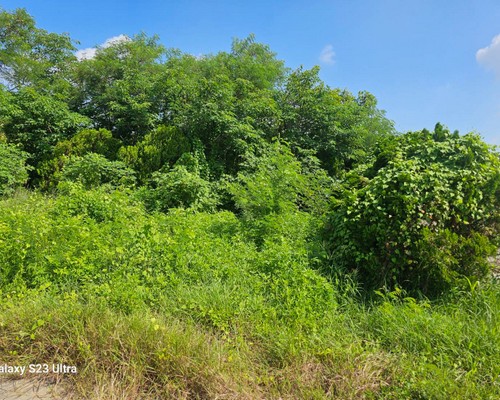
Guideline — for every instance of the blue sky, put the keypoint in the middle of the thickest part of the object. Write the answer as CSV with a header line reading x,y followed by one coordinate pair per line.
x,y
425,61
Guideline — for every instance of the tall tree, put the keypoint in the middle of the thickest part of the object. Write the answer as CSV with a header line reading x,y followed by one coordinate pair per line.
x,y
116,88
33,57
38,122
338,126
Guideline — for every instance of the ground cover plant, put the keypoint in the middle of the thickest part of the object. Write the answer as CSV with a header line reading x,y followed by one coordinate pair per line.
x,y
224,227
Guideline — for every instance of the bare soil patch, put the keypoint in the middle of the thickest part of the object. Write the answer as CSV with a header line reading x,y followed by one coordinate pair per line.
x,y
32,389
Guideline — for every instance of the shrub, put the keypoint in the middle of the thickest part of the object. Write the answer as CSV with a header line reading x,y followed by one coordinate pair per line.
x,y
271,184
100,204
423,216
94,169
160,147
13,170
100,141
181,187
85,141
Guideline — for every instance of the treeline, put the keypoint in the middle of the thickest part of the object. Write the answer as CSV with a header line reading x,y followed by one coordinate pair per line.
x,y
241,132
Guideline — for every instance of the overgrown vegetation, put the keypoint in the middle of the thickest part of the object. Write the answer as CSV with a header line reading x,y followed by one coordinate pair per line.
x,y
224,227
424,215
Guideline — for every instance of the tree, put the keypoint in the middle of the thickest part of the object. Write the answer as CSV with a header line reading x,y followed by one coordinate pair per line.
x,y
38,122
33,57
339,127
5,108
254,62
117,87
227,117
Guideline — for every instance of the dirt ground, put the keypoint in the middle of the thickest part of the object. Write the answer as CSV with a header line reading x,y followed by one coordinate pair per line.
x,y
31,389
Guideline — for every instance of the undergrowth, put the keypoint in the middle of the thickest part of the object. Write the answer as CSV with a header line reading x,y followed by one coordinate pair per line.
x,y
187,305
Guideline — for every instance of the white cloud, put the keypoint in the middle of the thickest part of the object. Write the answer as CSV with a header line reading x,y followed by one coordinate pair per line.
x,y
489,57
115,40
327,55
86,54
89,53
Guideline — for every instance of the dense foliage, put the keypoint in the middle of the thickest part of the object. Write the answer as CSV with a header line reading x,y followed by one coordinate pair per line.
x,y
223,226
13,170
424,214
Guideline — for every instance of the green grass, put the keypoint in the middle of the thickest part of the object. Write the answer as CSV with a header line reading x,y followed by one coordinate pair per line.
x,y
188,306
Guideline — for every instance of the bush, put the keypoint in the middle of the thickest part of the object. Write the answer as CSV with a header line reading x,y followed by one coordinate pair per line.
x,y
100,141
85,141
423,216
159,148
180,187
94,170
271,184
100,204
13,170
